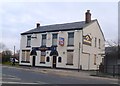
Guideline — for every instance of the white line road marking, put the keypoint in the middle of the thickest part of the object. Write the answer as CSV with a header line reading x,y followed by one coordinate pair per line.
x,y
17,83
12,78
22,83
6,78
6,75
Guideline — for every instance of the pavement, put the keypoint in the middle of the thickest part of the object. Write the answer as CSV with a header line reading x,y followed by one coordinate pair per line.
x,y
61,72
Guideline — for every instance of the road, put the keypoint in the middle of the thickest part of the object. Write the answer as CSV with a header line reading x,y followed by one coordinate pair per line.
x,y
21,76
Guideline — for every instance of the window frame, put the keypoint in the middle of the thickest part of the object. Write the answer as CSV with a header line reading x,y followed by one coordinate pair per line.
x,y
59,59
54,38
44,37
72,57
25,60
95,42
47,59
28,41
99,43
95,59
69,36
42,56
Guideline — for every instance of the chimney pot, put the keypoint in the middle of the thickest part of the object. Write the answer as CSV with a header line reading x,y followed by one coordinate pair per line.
x,y
37,25
88,16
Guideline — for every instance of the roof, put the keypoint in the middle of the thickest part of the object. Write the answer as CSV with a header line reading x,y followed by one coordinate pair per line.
x,y
59,27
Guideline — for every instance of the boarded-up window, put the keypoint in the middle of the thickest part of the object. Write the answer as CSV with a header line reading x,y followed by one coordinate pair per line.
x,y
70,57
27,55
23,55
95,59
42,59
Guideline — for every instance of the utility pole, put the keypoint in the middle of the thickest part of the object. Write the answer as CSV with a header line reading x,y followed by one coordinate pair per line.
x,y
14,51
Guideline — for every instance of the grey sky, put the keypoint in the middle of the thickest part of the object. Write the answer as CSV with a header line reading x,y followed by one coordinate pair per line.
x,y
18,17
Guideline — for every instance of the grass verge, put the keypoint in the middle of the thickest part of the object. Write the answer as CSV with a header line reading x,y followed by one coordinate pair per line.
x,y
9,64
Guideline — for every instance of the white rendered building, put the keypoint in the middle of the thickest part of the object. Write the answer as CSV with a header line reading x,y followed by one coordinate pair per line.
x,y
79,45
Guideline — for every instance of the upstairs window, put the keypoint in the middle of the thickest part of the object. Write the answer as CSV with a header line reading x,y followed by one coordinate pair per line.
x,y
43,40
54,39
95,42
99,43
71,39
28,41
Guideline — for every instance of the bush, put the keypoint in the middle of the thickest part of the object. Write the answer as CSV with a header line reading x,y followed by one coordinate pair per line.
x,y
6,58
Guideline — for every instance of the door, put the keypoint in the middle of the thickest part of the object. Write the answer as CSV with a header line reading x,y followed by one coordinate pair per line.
x,y
33,62
54,61
85,62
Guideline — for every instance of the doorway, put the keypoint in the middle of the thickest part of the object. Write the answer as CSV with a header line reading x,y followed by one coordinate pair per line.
x,y
33,62
54,61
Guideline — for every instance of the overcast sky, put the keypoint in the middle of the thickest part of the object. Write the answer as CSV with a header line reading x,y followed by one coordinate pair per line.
x,y
18,17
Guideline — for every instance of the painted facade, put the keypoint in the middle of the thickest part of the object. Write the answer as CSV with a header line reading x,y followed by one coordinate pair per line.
x,y
78,48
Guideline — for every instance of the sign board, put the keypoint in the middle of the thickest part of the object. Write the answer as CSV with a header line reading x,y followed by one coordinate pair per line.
x,y
42,48
87,40
53,52
61,41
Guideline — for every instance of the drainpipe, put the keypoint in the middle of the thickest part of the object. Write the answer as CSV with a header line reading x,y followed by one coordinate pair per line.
x,y
80,50
79,58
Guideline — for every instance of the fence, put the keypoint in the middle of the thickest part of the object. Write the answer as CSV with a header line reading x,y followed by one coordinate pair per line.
x,y
110,69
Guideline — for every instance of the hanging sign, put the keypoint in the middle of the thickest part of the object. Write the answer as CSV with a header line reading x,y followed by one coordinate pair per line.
x,y
87,40
61,41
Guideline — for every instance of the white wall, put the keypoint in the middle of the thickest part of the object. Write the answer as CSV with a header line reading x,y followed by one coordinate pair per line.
x,y
85,59
94,31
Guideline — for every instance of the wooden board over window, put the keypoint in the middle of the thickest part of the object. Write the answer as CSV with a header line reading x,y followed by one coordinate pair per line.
x,y
69,57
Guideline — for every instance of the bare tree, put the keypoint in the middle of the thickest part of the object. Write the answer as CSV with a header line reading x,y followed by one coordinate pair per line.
x,y
6,55
111,43
2,47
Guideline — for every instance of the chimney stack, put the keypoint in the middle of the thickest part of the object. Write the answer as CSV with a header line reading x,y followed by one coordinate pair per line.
x,y
87,16
37,25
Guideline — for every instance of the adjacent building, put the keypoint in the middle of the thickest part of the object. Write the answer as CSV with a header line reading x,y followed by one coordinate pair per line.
x,y
76,45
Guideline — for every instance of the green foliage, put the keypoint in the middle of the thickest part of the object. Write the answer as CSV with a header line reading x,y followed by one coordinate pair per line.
x,y
6,55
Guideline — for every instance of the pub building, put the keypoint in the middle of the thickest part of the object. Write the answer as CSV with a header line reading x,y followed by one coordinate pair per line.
x,y
77,45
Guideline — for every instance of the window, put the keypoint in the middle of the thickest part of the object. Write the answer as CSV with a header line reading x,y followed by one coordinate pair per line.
x,y
59,59
47,59
69,57
28,41
99,43
42,59
25,56
95,59
95,42
71,39
43,40
54,39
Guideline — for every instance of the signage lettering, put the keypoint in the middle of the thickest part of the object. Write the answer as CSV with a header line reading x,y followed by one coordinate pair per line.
x,y
87,40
